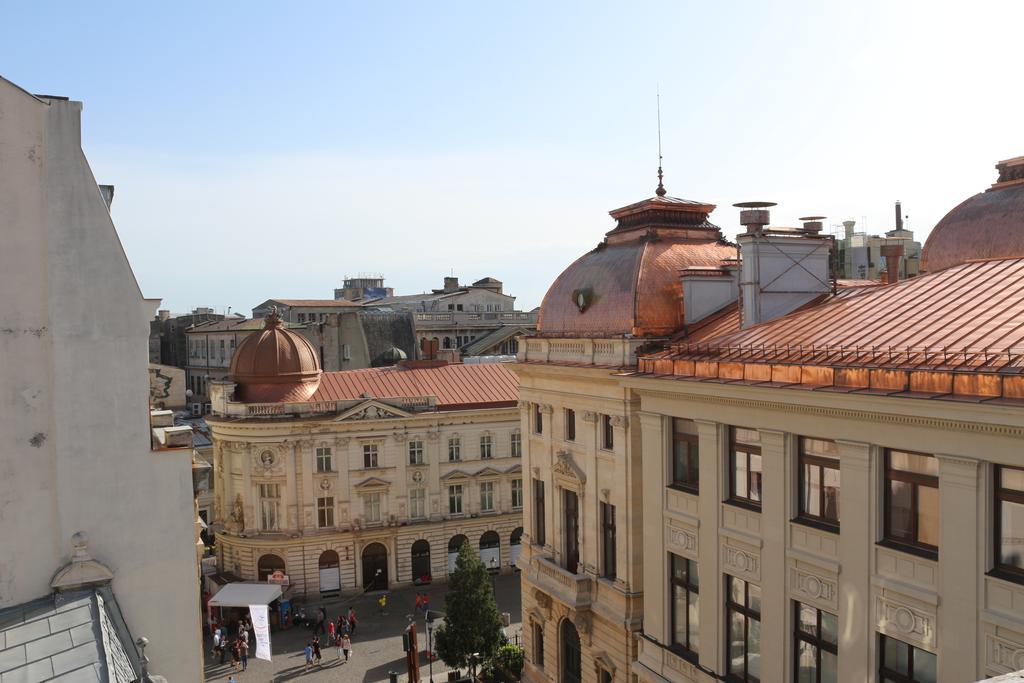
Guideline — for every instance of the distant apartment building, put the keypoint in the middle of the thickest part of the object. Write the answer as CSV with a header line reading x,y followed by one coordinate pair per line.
x,y
167,342
861,256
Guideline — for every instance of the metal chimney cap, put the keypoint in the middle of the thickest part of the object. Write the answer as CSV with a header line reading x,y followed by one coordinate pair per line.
x,y
754,205
812,218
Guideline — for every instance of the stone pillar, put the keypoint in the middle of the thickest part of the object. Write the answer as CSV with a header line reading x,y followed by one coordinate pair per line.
x,y
857,498
775,613
959,571
290,498
654,561
307,515
713,439
249,502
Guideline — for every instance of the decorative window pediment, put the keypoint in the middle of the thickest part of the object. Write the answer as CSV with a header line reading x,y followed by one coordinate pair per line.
x,y
371,410
371,483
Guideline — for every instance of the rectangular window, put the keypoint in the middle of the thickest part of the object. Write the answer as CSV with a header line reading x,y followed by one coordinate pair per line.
x,y
418,503
454,450
455,499
607,433
912,501
371,507
370,455
538,419
903,663
517,494
323,459
485,447
270,500
571,529
685,456
608,540
570,424
1009,526
743,624
539,528
517,445
325,512
538,645
815,645
487,496
818,473
222,350
415,452
684,587
745,466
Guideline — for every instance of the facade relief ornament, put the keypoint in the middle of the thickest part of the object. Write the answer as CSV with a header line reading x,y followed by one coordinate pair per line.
x,y
814,587
545,408
683,539
237,515
417,476
1004,655
542,599
341,442
522,404
620,421
904,621
566,466
372,412
589,416
433,435
741,561
325,484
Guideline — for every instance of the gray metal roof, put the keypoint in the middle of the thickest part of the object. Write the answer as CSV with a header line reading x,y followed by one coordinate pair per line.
x,y
494,338
73,637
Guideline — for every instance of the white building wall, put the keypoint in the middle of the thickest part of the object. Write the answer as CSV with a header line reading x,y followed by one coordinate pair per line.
x,y
75,419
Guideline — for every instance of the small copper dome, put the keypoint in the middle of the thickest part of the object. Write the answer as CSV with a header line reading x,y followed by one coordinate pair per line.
x,y
275,365
988,225
630,284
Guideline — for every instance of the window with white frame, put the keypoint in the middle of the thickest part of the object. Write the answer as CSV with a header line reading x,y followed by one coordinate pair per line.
x,y
270,502
415,452
325,512
418,503
454,449
517,494
485,447
323,459
486,496
371,507
455,499
370,454
517,445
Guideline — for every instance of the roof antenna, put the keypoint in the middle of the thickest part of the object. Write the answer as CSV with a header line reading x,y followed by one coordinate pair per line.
x,y
661,188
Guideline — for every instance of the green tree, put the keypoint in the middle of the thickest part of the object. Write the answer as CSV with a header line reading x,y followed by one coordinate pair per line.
x,y
471,623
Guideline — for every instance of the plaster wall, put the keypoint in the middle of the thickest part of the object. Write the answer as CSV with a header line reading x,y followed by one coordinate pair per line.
x,y
76,420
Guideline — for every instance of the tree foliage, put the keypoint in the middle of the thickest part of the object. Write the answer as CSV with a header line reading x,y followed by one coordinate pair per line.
x,y
472,623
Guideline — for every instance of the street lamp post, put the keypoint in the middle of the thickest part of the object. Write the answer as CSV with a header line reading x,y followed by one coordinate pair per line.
x,y
494,579
142,642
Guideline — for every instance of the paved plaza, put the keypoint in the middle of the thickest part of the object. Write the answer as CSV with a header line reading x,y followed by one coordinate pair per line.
x,y
377,645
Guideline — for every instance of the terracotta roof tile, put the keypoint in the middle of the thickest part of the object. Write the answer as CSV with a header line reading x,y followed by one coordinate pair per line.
x,y
455,386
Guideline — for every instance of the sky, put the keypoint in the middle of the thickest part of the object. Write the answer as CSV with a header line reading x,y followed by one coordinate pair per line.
x,y
267,150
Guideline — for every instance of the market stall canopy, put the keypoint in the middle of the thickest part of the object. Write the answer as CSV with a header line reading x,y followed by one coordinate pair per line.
x,y
245,594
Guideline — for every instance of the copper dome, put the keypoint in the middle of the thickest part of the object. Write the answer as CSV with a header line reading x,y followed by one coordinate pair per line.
x,y
275,365
988,225
630,283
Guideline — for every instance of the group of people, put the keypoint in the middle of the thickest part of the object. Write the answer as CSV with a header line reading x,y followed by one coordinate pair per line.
x,y
338,634
238,646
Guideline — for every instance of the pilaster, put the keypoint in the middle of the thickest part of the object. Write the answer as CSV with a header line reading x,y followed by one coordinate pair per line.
x,y
856,517
959,570
248,495
307,517
290,497
775,615
713,440
652,505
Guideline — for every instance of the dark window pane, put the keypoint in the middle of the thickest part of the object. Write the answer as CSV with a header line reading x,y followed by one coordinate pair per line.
x,y
896,655
737,642
679,615
694,613
736,591
753,649
901,511
740,475
807,663
830,628
754,598
829,668
924,667
830,482
1011,534
692,574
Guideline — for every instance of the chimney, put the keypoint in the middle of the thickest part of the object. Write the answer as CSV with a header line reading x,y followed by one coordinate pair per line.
x,y
163,314
899,215
451,284
892,251
707,289
848,228
781,269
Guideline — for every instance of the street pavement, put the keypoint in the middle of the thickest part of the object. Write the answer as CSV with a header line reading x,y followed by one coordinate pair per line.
x,y
376,646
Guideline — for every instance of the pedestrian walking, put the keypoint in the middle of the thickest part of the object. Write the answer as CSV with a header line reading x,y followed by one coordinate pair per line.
x,y
337,644
419,602
352,620
309,655
382,602
316,649
243,652
342,624
236,656
330,631
346,646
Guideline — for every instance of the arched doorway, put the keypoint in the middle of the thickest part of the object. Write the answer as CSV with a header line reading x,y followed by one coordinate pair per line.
x,y
572,653
420,562
267,565
330,572
490,550
515,545
454,544
375,567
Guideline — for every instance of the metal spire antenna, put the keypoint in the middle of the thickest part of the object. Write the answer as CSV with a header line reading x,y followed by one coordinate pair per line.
x,y
661,187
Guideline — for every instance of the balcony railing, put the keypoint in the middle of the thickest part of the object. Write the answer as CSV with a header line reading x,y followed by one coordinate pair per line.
x,y
574,590
410,404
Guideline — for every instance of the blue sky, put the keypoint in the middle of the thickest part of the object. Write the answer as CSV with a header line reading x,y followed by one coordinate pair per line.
x,y
268,149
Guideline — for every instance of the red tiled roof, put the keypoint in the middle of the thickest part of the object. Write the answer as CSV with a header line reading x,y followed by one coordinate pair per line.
x,y
455,386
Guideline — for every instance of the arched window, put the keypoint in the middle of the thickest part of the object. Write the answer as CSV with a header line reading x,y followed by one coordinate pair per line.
x,y
447,342
330,572
572,653
454,544
267,565
490,550
514,542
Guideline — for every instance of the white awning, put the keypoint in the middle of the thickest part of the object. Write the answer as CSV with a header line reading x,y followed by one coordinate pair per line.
x,y
245,594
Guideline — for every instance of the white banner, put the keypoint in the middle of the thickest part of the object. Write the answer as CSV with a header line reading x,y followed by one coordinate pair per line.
x,y
261,625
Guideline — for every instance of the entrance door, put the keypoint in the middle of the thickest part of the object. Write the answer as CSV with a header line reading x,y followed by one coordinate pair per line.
x,y
572,653
375,567
421,561
330,572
